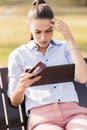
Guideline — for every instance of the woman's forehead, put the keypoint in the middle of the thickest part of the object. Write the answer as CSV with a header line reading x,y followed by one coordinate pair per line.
x,y
40,23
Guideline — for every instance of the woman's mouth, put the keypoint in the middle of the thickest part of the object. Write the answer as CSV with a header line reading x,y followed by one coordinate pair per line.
x,y
43,42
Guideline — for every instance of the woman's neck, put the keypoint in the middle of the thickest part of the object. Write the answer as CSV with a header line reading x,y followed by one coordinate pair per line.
x,y
42,50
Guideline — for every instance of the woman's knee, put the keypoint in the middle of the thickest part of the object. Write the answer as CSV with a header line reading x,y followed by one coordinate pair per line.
x,y
79,122
48,127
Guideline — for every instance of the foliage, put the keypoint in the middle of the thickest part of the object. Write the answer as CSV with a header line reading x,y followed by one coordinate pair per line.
x,y
60,2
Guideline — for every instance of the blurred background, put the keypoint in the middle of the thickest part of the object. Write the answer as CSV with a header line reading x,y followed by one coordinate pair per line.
x,y
14,30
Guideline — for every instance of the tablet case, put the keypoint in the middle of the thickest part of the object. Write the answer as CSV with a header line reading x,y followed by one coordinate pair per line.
x,y
56,74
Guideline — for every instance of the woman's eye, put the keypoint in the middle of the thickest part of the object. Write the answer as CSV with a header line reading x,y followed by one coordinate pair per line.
x,y
38,32
49,31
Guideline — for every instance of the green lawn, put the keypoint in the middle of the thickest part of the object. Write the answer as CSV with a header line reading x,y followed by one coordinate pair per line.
x,y
14,30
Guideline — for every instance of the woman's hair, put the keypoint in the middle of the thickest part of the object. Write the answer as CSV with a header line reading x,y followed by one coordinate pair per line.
x,y
40,10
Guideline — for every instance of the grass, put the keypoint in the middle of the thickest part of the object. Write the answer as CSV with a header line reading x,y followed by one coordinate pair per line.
x,y
14,31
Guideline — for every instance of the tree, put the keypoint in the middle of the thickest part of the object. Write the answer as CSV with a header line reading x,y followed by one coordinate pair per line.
x,y
82,2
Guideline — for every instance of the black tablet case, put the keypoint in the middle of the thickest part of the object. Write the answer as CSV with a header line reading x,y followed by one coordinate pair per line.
x,y
56,74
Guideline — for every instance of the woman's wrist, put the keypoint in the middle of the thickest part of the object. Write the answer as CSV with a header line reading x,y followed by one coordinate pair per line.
x,y
73,46
21,87
73,49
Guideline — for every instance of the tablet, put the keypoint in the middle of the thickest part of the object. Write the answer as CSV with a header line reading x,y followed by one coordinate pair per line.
x,y
56,74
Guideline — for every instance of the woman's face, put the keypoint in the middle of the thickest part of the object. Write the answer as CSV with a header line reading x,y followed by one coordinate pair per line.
x,y
42,31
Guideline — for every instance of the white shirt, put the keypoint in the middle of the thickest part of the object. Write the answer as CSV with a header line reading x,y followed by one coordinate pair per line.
x,y
27,56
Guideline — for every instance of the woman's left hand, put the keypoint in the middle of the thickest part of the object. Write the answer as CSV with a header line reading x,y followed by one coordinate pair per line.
x,y
62,27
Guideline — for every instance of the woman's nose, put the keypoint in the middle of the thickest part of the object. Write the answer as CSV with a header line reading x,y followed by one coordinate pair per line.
x,y
43,37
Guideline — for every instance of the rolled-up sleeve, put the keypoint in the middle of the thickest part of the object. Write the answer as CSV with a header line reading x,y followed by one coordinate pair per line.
x,y
14,71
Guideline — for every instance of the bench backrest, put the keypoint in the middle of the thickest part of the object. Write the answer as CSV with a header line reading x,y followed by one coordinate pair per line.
x,y
14,118
11,117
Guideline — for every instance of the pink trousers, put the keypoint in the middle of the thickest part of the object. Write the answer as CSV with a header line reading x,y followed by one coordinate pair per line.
x,y
58,116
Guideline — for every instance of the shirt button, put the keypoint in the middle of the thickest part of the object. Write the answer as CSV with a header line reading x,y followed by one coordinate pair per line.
x,y
35,47
54,86
58,100
46,59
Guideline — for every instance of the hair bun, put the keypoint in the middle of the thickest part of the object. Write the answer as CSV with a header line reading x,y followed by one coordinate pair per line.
x,y
38,2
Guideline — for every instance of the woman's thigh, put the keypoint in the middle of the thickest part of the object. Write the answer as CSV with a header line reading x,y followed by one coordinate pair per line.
x,y
47,127
79,122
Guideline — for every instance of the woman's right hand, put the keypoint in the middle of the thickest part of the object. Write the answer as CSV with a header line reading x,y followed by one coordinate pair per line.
x,y
26,79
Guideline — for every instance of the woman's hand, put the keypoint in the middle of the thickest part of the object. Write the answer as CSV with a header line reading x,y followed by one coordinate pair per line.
x,y
62,27
80,65
26,79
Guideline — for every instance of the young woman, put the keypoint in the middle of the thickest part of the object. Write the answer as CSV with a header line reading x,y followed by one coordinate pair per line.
x,y
54,106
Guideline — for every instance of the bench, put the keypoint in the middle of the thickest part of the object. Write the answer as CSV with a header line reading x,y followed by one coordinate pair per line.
x,y
14,118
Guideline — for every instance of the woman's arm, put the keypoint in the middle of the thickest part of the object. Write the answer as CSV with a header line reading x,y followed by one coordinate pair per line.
x,y
80,64
17,96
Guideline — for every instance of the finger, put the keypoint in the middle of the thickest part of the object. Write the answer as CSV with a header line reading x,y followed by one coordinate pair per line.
x,y
27,81
26,76
59,26
59,22
23,75
33,80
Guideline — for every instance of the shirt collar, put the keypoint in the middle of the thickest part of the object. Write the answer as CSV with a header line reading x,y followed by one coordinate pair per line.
x,y
32,45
